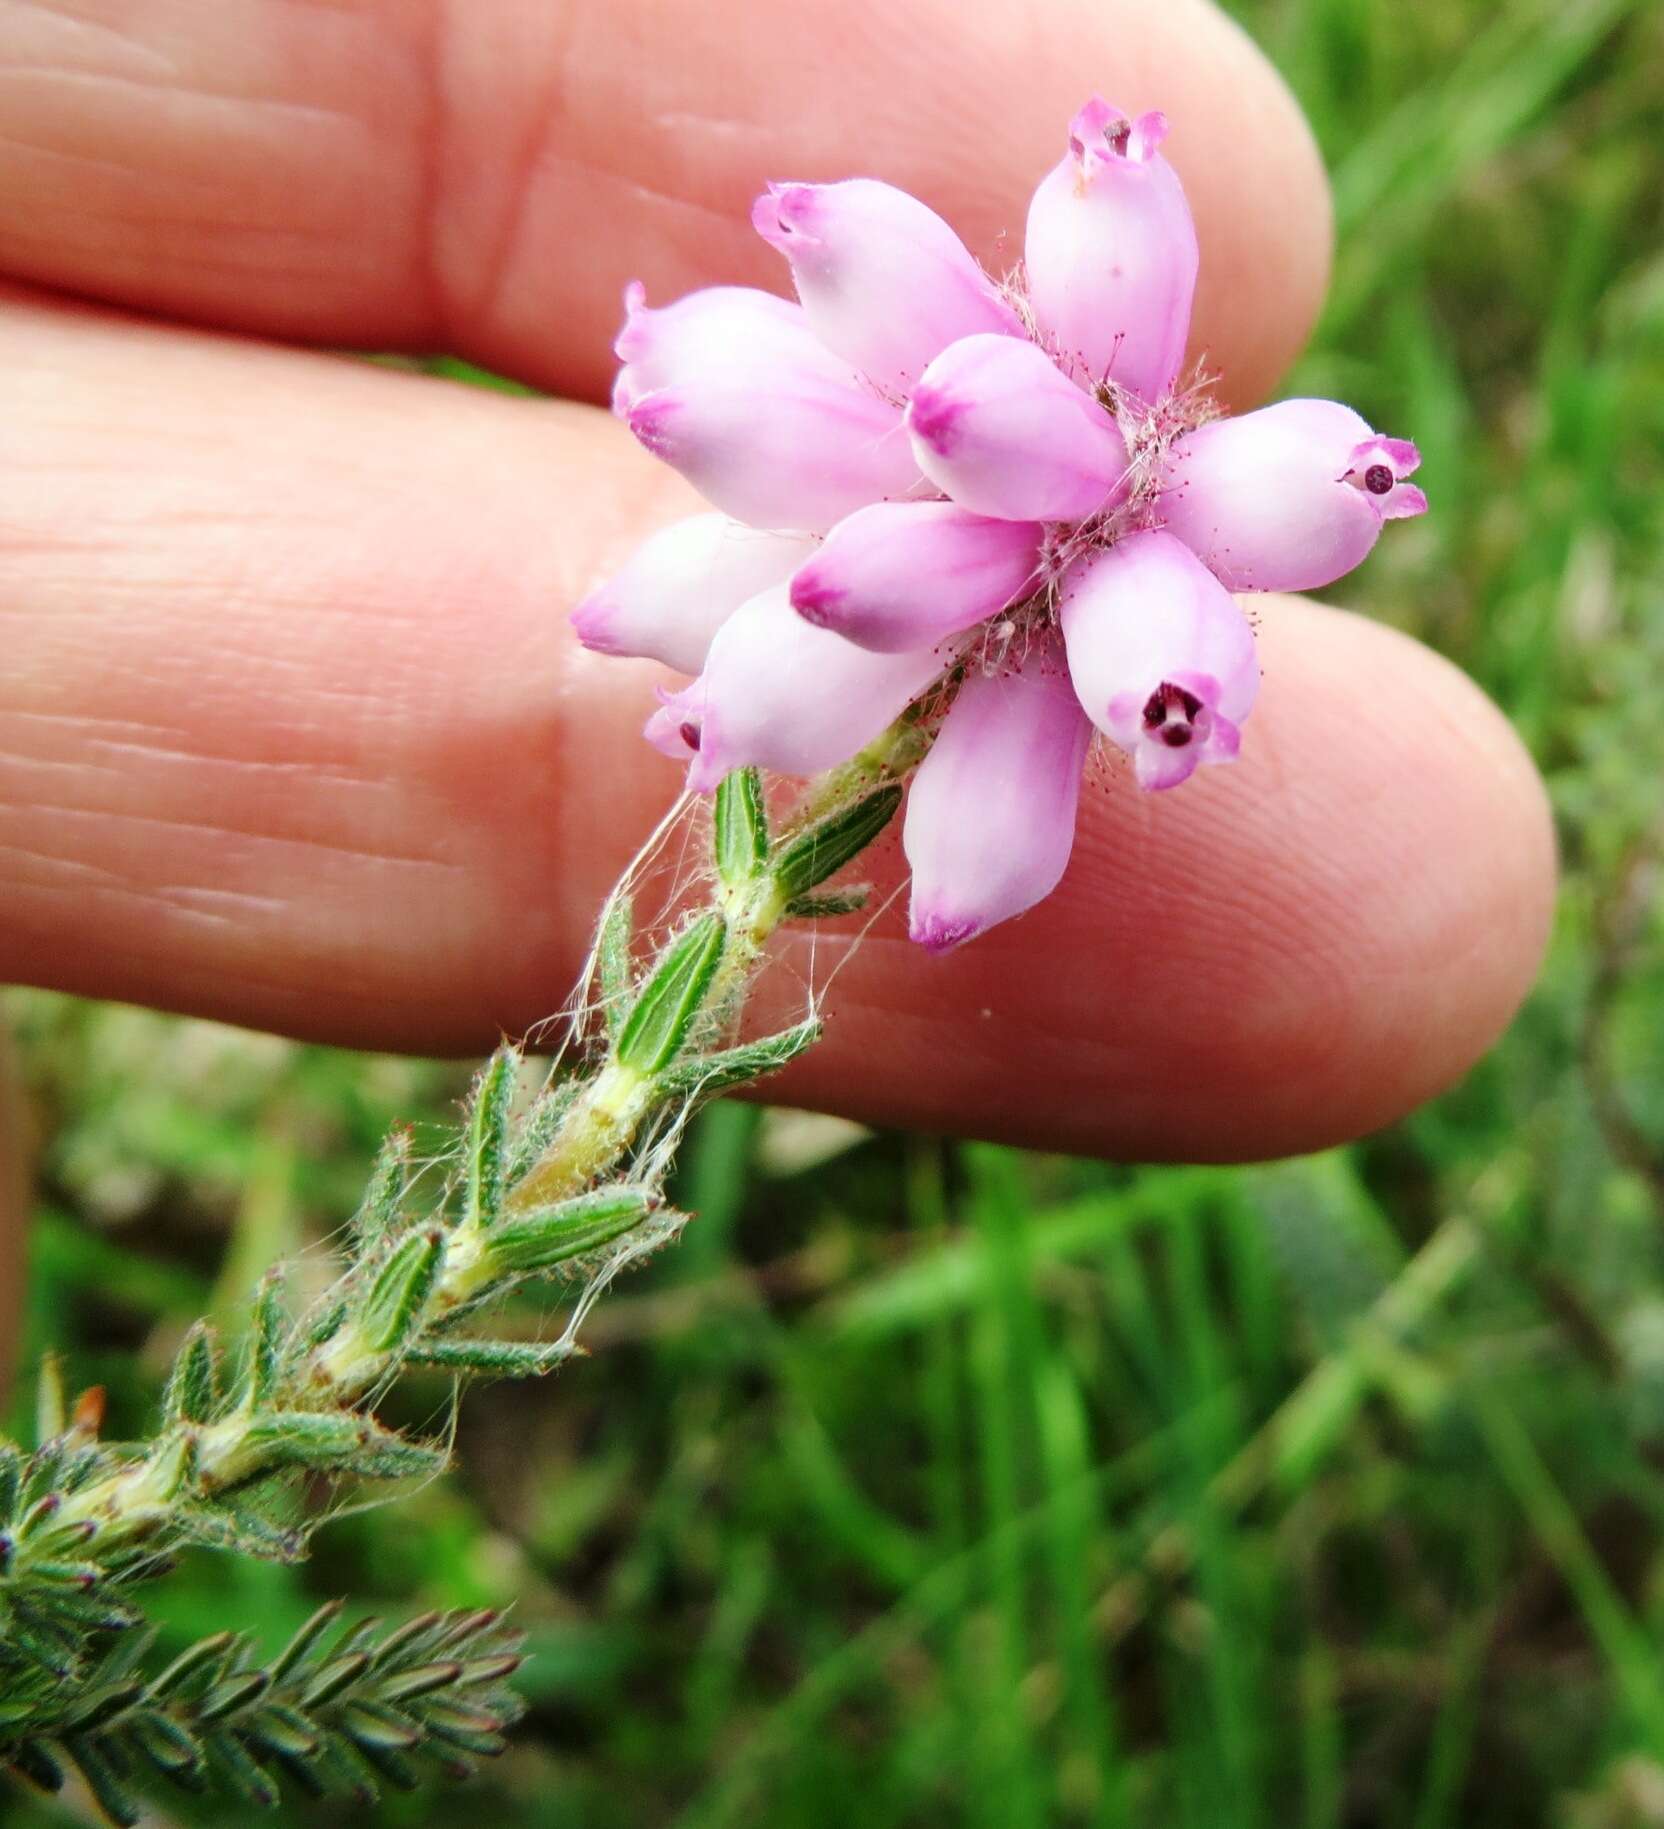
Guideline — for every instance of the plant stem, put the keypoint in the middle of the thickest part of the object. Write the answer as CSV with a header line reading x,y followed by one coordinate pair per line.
x,y
301,1401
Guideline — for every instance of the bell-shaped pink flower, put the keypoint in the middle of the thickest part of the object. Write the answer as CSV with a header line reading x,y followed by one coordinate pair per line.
x,y
885,283
680,586
996,427
1162,658
779,693
1110,253
1289,498
743,399
903,575
991,813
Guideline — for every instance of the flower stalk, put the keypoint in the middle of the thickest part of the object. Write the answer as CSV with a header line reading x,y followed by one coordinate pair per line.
x,y
568,1185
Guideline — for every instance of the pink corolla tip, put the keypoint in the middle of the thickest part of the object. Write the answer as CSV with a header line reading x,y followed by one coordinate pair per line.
x,y
784,215
884,282
673,730
1000,430
1161,656
939,934
652,419
905,575
733,388
593,622
1378,467
681,584
1101,132
1173,730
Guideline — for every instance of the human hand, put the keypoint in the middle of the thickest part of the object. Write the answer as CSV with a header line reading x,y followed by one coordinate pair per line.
x,y
292,730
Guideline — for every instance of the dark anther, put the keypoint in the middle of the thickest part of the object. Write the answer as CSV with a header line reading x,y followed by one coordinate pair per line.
x,y
1170,713
1170,698
690,734
1378,479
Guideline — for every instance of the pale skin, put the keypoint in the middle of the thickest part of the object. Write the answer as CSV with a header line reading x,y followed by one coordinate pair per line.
x,y
292,730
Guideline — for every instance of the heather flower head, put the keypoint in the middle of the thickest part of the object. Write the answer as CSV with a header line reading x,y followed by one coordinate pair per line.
x,y
937,489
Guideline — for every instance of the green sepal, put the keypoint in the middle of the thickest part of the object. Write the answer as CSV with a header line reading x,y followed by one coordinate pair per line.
x,y
36,1764
232,1694
399,1295
829,906
551,1235
329,1442
79,1575
372,1725
711,1073
240,1771
173,1463
739,827
324,1322
193,1391
539,1127
39,1642
268,1329
338,1674
50,1417
420,1681
488,1138
167,1746
11,1480
226,1526
284,1730
102,1781
86,1612
612,960
302,1648
658,1027
188,1663
498,1358
100,1708
378,1211
823,850
415,1639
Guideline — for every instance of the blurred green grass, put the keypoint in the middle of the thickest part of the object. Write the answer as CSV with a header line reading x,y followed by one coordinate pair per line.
x,y
946,1485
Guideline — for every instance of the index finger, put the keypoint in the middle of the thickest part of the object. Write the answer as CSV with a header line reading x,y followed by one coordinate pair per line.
x,y
485,178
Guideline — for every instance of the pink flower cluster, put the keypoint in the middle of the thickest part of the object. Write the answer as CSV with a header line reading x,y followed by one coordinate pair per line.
x,y
926,482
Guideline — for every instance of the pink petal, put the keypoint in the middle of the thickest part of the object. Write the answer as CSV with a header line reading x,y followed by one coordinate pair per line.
x,y
885,282
1001,431
991,813
1111,255
674,726
1286,499
778,693
733,389
903,575
1378,467
681,584
1162,658
714,327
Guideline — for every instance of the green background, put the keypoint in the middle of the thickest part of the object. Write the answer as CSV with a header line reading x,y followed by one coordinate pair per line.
x,y
940,1485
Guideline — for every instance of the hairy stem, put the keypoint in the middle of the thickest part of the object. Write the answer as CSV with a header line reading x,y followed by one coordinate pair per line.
x,y
571,1186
